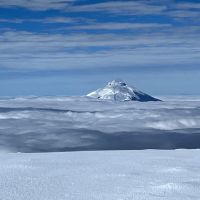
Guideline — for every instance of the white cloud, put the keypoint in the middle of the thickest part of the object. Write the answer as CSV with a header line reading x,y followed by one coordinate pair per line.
x,y
36,4
117,7
144,7
28,50
122,26
64,123
181,123
122,7
188,5
59,20
184,14
41,20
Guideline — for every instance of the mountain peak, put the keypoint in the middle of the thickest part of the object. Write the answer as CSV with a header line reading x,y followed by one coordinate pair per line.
x,y
118,90
116,82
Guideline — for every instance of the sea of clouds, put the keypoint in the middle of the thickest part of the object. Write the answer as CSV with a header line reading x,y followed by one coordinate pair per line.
x,y
46,124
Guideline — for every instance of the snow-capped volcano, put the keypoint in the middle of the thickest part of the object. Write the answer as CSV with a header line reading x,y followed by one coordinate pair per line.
x,y
119,91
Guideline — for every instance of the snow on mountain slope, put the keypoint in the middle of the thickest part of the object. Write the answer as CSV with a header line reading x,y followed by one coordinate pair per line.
x,y
119,91
108,175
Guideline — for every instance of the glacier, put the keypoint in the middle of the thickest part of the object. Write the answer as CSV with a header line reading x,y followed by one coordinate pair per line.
x,y
108,175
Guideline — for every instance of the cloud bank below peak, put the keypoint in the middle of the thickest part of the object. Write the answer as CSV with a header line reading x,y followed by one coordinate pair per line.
x,y
46,124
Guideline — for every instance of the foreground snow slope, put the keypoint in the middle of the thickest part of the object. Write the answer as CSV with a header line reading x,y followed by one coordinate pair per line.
x,y
110,175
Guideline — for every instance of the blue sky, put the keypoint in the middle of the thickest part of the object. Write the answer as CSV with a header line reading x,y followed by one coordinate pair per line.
x,y
70,47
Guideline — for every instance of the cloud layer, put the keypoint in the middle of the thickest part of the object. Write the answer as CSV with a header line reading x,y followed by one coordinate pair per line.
x,y
26,50
98,34
66,124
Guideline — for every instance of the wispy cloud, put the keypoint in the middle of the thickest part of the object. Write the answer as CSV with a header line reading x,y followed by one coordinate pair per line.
x,y
58,19
44,51
188,5
93,41
121,26
184,14
185,10
117,7
36,4
122,7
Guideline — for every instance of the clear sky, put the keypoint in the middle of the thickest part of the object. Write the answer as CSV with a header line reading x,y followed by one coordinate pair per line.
x,y
70,47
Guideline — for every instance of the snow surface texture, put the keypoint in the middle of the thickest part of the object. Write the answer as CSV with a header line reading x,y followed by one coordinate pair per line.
x,y
43,124
118,175
119,91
